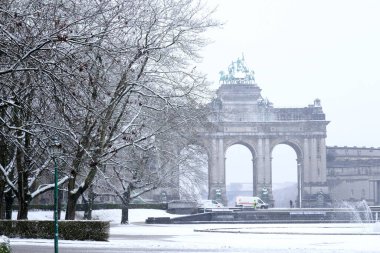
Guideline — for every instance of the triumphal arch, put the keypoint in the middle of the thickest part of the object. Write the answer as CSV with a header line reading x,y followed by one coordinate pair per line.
x,y
242,116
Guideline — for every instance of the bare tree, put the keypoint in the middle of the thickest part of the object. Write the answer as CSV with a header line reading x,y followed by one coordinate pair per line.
x,y
93,72
141,56
157,163
34,55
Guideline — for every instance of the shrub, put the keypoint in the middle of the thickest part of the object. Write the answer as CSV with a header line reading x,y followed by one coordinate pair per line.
x,y
68,230
4,245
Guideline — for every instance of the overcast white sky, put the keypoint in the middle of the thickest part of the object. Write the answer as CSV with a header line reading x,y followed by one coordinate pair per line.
x,y
301,50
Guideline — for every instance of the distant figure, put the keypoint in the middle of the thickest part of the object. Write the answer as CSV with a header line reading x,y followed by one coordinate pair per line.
x,y
291,203
254,204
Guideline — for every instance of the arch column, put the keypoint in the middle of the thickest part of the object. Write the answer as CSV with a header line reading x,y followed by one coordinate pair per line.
x,y
260,161
267,163
313,169
322,167
300,176
254,174
262,171
217,181
322,160
306,165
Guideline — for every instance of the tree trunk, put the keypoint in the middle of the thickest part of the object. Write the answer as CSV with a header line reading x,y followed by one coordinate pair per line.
x,y
125,203
124,214
4,156
71,206
22,184
72,198
88,210
89,204
86,207
9,198
23,207
2,201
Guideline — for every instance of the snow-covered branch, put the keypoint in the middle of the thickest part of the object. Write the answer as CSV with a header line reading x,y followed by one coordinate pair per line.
x,y
44,188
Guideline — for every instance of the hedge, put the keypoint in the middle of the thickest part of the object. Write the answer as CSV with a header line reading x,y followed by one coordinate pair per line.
x,y
68,230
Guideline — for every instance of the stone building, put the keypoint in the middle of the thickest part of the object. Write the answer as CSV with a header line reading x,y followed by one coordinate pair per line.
x,y
353,174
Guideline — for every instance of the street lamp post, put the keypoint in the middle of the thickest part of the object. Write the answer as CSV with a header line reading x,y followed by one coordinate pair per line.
x,y
55,152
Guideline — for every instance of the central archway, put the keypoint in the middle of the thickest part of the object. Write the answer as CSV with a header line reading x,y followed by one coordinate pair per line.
x,y
284,176
239,172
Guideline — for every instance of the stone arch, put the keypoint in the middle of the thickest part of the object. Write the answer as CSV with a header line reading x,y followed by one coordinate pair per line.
x,y
240,115
293,143
249,172
293,193
230,143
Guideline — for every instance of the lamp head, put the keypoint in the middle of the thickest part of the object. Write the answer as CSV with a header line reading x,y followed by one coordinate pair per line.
x,y
55,147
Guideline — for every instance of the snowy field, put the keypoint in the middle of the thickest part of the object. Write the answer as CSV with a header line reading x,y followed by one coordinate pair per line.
x,y
141,237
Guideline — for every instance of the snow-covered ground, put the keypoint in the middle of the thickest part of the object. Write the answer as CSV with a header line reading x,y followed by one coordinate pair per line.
x,y
141,237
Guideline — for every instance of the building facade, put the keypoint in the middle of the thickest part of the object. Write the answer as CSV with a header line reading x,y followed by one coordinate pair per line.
x,y
353,174
242,116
